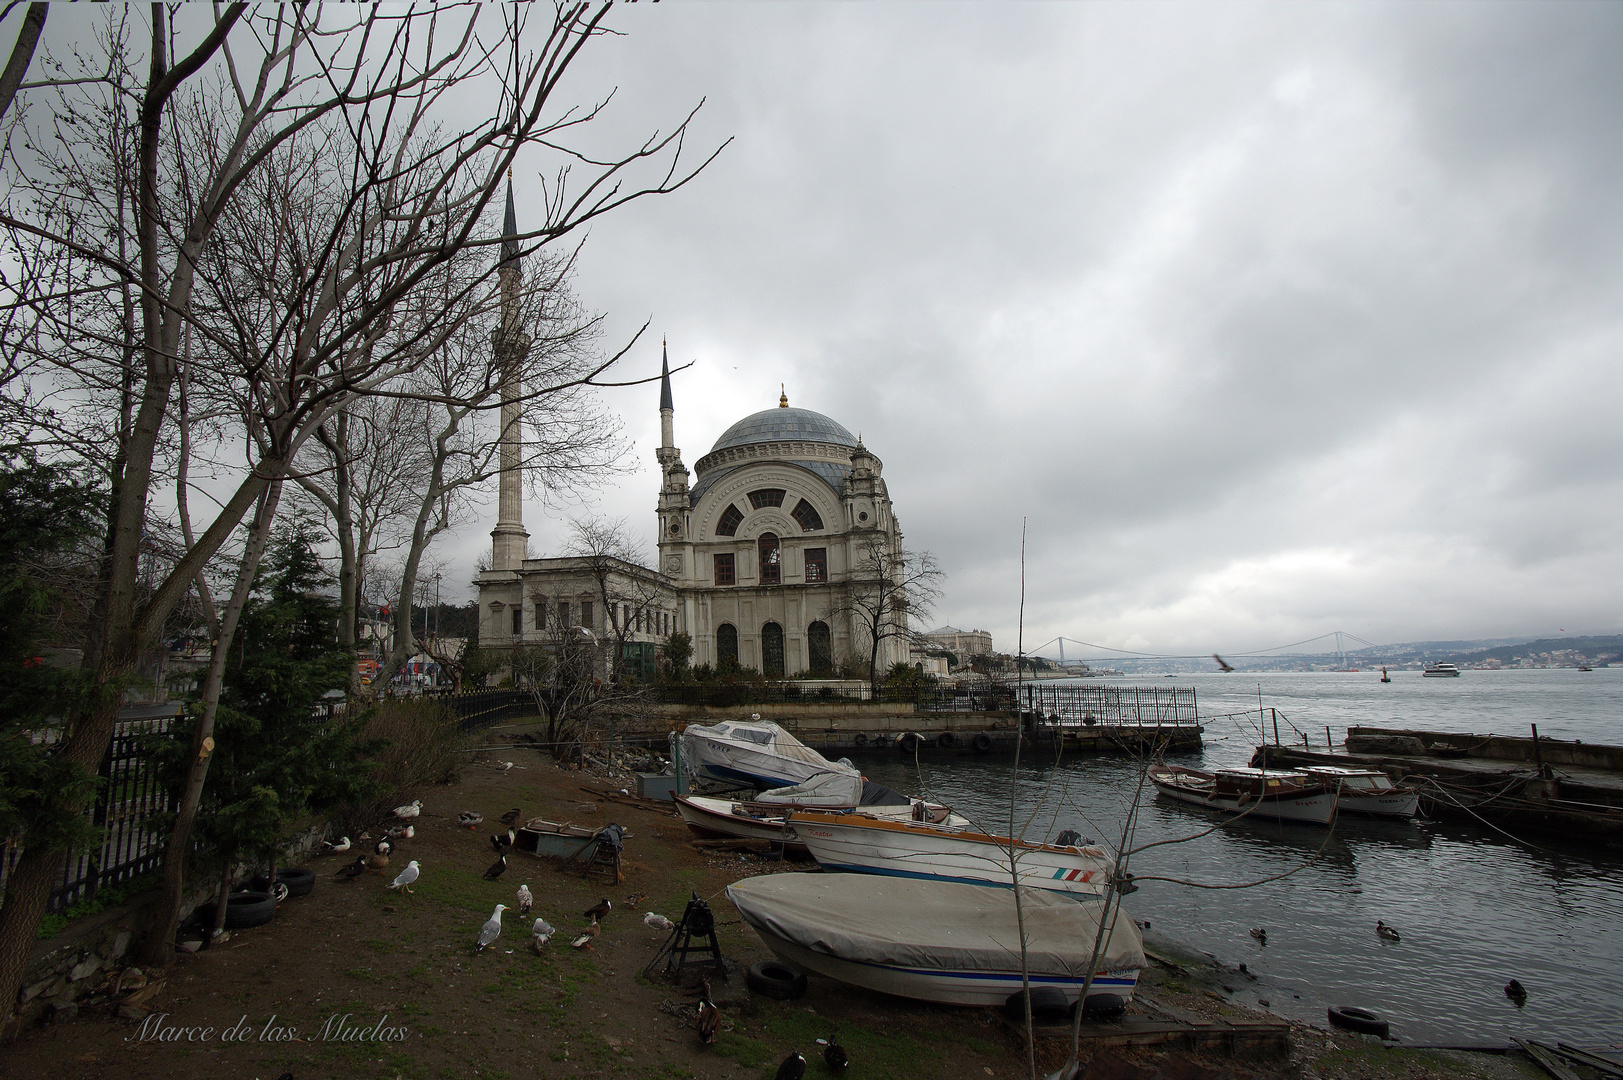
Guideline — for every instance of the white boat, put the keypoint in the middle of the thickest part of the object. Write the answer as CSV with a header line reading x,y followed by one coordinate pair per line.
x,y
755,820
1368,791
937,940
1261,793
754,752
1441,671
860,843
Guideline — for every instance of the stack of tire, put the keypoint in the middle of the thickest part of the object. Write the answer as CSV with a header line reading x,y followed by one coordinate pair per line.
x,y
256,906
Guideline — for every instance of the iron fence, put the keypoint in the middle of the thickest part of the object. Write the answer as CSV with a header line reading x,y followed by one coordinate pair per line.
x,y
928,699
1084,706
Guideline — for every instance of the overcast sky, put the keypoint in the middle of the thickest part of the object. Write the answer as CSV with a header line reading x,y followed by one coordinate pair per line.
x,y
1267,320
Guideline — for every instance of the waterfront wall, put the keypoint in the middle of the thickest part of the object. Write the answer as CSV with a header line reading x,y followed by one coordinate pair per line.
x,y
1501,747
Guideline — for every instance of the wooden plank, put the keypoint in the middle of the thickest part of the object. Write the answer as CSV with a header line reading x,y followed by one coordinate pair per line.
x,y
1545,1058
1599,1062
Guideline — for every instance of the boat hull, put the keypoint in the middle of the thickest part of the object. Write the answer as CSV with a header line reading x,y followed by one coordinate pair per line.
x,y
714,817
856,844
1400,803
1317,808
943,985
722,754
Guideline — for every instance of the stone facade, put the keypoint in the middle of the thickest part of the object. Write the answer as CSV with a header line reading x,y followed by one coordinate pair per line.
x,y
961,643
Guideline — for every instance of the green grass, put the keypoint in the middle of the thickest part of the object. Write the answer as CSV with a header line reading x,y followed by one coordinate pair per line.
x,y
379,946
364,974
110,897
883,1055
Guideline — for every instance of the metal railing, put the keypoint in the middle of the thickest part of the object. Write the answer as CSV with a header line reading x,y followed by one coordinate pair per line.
x,y
1085,706
928,699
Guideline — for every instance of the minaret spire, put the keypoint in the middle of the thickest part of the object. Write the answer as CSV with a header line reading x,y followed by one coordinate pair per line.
x,y
510,344
667,454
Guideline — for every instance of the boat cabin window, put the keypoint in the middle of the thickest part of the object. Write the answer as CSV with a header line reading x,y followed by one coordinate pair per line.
x,y
760,738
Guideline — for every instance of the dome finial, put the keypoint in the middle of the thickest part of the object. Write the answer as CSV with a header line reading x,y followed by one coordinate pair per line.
x,y
783,397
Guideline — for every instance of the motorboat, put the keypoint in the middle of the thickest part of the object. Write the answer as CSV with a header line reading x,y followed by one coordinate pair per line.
x,y
1263,793
1368,791
942,941
1441,671
762,820
866,844
753,753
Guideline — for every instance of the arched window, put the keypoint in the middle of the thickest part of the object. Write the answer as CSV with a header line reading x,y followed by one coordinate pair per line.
x,y
771,568
772,651
805,513
726,645
730,518
820,649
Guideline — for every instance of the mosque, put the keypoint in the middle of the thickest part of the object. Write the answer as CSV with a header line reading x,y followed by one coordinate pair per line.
x,y
757,549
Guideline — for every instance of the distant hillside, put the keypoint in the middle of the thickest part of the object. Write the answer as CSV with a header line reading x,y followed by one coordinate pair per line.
x,y
1599,649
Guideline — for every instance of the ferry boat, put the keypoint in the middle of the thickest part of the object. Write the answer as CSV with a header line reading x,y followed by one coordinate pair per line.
x,y
1441,671
1263,793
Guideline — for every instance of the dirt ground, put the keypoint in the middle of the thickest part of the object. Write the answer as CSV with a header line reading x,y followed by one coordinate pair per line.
x,y
355,980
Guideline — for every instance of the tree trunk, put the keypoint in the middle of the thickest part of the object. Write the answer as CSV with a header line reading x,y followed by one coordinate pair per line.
x,y
22,54
222,904
156,949
28,887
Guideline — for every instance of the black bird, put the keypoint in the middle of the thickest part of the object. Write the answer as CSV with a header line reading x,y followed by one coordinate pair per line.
x,y
1222,664
351,871
708,1022
1516,992
1261,935
497,869
834,1054
793,1067
597,911
511,817
501,842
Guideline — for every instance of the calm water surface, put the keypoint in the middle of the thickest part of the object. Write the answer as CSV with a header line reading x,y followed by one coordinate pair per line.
x,y
1475,907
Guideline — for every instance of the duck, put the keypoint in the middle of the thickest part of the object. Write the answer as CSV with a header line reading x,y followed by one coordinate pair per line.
x,y
401,832
342,845
470,819
382,847
793,1068
708,1020
410,810
511,817
834,1055
1260,934
587,936
502,842
1386,931
1516,992
351,871
497,869
598,910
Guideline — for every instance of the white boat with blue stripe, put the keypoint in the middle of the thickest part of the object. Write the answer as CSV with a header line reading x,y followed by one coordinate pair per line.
x,y
859,843
753,753
938,940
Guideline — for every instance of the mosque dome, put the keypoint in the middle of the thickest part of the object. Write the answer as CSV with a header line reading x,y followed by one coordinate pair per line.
x,y
782,425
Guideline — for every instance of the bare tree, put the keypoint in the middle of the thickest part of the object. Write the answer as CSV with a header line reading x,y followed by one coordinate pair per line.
x,y
629,592
885,588
288,331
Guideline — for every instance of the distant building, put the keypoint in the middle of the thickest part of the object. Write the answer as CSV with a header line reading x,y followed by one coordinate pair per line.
x,y
961,643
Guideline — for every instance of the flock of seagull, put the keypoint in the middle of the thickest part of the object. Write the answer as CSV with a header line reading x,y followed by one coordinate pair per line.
x,y
708,1020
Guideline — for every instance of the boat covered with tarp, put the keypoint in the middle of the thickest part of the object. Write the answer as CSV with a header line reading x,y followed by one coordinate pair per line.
x,y
938,940
753,753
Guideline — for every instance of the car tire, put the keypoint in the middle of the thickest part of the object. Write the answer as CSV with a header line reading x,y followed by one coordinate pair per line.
x,y
983,741
946,740
774,980
1360,1020
243,910
298,880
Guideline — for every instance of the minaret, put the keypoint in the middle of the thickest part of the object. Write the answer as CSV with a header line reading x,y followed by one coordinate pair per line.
x,y
667,452
675,506
510,345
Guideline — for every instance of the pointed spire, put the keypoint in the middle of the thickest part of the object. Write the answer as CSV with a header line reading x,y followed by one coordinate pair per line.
x,y
665,378
509,230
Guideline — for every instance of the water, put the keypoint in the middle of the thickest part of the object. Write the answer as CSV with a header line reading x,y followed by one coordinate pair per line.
x,y
1475,907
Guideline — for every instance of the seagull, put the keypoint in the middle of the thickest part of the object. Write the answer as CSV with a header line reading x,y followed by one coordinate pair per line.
x,y
497,869
383,847
524,900
834,1055
1386,931
407,877
503,766
511,817
1260,934
708,1021
793,1068
351,871
586,938
500,842
541,933
655,921
597,911
410,810
1222,664
470,818
342,845
491,930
